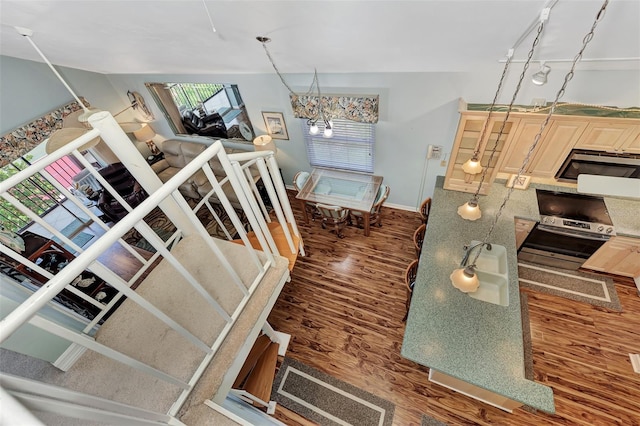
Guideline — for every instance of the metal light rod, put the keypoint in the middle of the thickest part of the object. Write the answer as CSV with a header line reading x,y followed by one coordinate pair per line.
x,y
27,33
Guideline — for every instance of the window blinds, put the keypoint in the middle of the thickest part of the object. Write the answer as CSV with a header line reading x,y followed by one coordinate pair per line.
x,y
350,148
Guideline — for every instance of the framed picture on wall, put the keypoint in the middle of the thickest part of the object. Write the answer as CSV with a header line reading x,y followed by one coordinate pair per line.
x,y
276,127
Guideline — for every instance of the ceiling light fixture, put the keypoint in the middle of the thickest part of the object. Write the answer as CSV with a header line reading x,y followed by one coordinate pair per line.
x,y
540,77
465,276
315,87
471,209
473,165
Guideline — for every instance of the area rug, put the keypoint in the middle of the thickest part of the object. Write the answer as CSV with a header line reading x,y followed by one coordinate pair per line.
x,y
327,400
164,228
574,285
430,421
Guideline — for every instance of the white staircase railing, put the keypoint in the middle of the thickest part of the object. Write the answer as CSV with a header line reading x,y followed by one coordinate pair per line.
x,y
175,207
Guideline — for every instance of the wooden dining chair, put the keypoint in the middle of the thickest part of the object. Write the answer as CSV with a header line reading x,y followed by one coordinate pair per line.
x,y
418,238
410,280
333,215
374,216
425,207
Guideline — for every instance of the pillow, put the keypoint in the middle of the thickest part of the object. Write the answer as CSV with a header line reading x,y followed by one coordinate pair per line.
x,y
11,240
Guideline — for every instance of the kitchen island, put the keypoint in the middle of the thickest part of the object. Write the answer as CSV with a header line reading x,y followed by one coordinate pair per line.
x,y
469,340
472,343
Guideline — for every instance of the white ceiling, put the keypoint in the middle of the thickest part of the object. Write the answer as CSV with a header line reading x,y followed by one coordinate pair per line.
x,y
169,36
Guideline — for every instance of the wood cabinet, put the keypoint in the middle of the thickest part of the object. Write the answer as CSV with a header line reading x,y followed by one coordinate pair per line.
x,y
467,141
562,133
618,136
523,228
618,256
556,141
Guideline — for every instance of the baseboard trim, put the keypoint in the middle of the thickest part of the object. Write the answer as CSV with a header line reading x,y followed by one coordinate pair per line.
x,y
69,357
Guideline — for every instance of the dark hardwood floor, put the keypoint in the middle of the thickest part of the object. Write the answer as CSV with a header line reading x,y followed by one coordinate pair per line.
x,y
344,308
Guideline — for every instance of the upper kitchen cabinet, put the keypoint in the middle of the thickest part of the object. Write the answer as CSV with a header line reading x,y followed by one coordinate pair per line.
x,y
613,136
556,141
468,141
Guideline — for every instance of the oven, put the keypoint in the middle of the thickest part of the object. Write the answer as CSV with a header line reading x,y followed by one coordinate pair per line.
x,y
571,229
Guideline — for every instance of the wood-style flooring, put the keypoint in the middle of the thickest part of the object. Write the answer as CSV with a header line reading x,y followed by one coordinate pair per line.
x,y
344,308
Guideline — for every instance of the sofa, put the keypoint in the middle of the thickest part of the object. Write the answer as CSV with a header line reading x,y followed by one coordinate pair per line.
x,y
179,153
125,185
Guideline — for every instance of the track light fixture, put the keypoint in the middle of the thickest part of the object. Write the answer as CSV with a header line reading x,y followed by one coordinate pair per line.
x,y
540,77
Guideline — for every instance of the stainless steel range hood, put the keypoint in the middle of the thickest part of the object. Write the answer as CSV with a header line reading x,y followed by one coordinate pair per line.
x,y
609,185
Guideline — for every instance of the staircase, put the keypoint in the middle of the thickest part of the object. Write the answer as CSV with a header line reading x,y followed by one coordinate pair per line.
x,y
174,349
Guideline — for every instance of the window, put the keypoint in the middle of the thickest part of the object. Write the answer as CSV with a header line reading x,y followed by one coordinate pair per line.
x,y
207,109
350,148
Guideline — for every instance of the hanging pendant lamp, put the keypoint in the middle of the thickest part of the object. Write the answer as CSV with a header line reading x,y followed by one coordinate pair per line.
x,y
471,209
464,278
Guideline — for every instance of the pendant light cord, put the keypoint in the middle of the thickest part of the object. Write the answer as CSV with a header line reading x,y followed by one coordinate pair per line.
x,y
509,109
314,83
585,41
493,104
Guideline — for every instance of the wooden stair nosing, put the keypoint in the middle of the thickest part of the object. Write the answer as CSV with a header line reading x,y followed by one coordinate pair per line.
x,y
280,240
261,344
260,380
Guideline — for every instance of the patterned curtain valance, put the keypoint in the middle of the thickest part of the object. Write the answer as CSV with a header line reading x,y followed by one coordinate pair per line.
x,y
18,142
362,108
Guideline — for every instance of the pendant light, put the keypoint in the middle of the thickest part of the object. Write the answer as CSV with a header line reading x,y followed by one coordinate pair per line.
x,y
540,77
471,209
313,88
464,278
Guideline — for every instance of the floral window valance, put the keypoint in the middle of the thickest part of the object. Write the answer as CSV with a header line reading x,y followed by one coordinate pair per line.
x,y
362,108
18,142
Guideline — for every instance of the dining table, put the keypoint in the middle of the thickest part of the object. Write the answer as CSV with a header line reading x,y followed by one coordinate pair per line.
x,y
347,189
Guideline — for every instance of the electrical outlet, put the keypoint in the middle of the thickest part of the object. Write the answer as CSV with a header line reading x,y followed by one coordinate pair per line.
x,y
538,102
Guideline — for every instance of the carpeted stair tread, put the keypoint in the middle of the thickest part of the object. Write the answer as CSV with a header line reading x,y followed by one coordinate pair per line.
x,y
141,335
261,345
261,378
219,376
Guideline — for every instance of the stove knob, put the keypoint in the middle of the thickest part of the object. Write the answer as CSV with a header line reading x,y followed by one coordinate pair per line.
x,y
609,230
600,228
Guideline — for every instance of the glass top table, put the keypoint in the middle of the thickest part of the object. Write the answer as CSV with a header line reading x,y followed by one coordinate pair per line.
x,y
349,190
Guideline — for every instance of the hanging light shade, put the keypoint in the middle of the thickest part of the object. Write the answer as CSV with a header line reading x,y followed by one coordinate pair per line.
x,y
540,77
472,166
465,279
63,136
328,129
84,117
313,127
470,210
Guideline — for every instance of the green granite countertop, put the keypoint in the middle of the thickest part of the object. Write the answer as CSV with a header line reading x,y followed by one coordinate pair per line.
x,y
475,341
